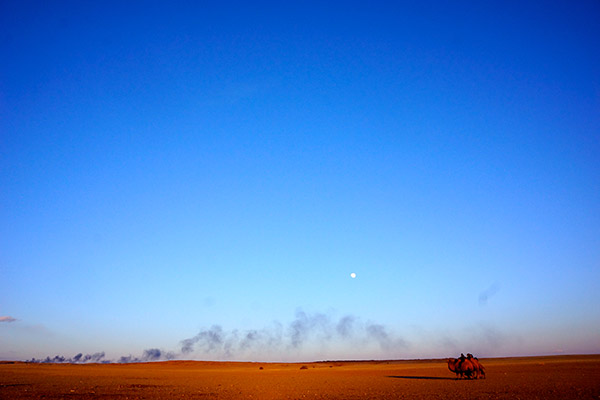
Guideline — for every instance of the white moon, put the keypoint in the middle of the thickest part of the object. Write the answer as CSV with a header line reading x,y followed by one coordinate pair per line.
x,y
353,275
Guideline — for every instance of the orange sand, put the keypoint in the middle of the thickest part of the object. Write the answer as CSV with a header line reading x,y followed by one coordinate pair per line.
x,y
567,377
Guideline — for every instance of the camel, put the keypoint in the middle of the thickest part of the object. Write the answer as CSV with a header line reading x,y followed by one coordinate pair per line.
x,y
478,367
453,365
461,367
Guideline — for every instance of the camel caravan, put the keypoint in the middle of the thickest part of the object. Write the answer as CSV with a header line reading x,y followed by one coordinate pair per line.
x,y
466,367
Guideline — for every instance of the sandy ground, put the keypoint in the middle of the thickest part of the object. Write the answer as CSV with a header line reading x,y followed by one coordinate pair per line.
x,y
568,377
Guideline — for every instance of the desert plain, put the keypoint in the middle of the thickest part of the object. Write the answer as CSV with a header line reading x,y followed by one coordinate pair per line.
x,y
553,377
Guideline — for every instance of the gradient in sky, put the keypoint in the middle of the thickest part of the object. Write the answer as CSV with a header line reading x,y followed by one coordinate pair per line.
x,y
202,179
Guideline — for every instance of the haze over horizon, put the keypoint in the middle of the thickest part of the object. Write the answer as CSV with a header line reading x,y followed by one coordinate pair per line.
x,y
199,181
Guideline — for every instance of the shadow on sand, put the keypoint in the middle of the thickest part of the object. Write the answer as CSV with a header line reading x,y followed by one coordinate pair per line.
x,y
421,377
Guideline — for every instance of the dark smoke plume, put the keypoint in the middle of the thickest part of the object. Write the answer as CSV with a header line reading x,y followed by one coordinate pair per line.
x,y
148,355
386,341
77,359
488,293
314,328
305,325
208,340
345,326
305,330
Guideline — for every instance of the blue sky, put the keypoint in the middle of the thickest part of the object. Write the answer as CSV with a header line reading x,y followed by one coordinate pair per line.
x,y
173,171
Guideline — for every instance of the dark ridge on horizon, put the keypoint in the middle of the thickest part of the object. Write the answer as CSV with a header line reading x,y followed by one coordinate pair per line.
x,y
338,361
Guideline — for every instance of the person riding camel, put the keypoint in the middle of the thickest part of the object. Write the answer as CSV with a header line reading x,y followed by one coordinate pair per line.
x,y
461,360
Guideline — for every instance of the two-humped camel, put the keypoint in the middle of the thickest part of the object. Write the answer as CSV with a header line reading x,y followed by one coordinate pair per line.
x,y
468,367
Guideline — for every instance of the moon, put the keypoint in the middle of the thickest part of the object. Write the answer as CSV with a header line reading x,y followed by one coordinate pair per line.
x,y
353,275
